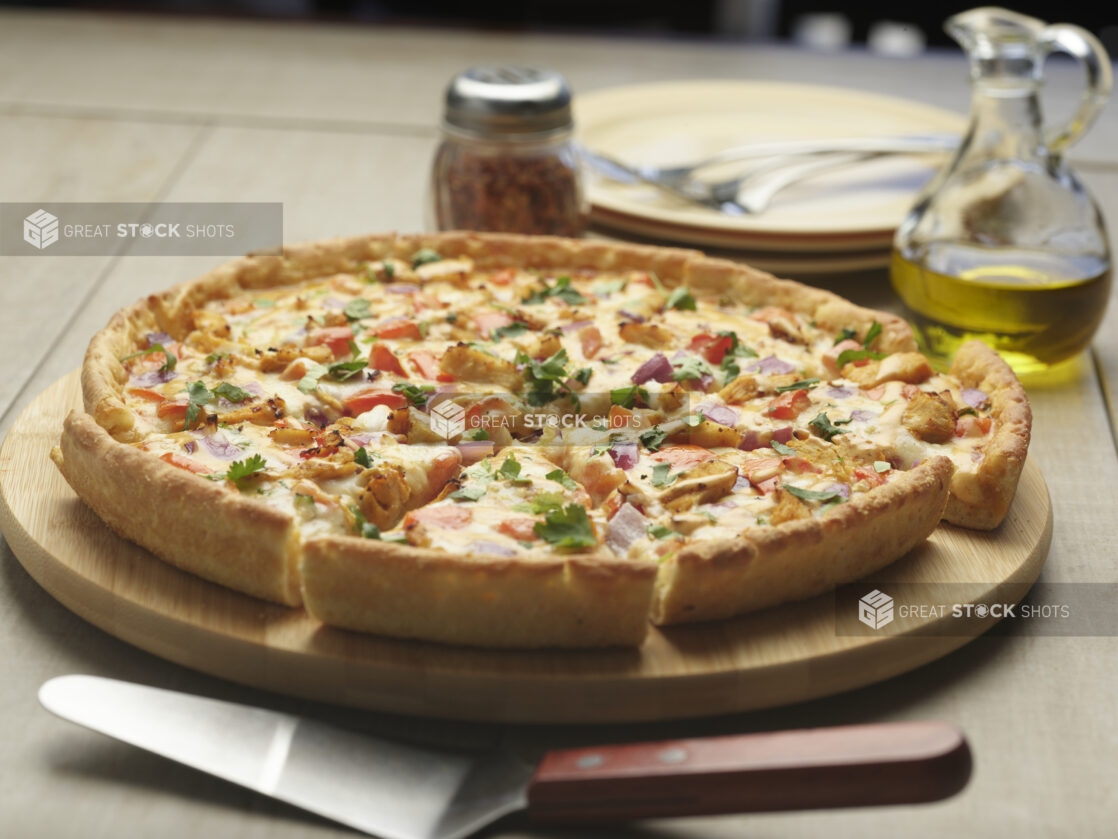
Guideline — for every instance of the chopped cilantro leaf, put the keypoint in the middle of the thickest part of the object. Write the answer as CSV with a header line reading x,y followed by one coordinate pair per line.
x,y
476,434
309,382
814,495
690,367
232,393
846,356
660,531
510,469
802,384
425,255
197,395
568,527
583,376
562,478
874,331
660,476
357,308
693,420
239,470
605,289
470,492
361,457
847,334
416,394
169,360
682,299
780,448
545,380
389,269
653,438
561,288
545,502
823,426
509,331
627,397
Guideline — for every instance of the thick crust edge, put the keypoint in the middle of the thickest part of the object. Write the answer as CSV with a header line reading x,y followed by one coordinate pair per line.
x,y
391,589
195,525
981,499
807,557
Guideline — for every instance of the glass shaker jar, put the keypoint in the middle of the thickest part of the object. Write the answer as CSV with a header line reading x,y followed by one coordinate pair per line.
x,y
507,162
1006,244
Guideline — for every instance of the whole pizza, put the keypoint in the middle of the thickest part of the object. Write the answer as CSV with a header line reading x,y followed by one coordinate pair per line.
x,y
529,441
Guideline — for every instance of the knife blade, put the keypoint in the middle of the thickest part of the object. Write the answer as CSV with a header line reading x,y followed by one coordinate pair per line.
x,y
400,791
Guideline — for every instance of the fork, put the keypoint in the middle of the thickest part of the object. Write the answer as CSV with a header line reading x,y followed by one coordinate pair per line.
x,y
747,194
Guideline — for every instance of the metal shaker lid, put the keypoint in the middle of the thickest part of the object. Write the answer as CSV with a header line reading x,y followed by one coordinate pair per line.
x,y
508,99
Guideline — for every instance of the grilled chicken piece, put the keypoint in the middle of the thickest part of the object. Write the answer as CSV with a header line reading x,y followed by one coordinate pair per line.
x,y
651,335
275,361
700,484
929,417
910,367
740,390
468,364
385,494
788,508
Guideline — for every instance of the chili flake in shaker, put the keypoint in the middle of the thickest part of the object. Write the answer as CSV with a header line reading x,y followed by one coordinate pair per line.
x,y
507,162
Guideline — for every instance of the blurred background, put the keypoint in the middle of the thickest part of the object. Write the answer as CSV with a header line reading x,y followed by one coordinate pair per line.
x,y
888,28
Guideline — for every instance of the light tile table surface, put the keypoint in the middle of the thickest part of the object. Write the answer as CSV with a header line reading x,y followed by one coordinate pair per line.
x,y
339,124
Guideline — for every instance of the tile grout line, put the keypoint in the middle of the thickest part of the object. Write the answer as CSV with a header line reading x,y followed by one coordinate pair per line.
x,y
205,131
337,126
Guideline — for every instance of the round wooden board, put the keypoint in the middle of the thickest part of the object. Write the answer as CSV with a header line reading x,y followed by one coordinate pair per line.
x,y
769,658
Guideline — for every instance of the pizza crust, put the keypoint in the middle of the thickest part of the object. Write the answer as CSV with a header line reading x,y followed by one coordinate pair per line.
x,y
580,600
803,558
981,499
193,524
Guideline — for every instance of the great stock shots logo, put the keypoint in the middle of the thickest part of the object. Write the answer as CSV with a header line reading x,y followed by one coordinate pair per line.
x,y
875,609
40,229
448,419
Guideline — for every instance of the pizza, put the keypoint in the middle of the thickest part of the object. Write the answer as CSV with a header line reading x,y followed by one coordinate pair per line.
x,y
514,441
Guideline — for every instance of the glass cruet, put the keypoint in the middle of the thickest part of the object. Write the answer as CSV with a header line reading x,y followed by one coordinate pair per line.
x,y
1005,244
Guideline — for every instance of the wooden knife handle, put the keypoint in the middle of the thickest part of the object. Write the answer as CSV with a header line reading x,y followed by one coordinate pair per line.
x,y
846,766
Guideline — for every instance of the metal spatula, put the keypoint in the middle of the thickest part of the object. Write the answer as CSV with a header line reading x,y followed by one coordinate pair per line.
x,y
400,791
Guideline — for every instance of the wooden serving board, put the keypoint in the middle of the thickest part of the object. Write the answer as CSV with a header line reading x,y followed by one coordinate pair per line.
x,y
769,658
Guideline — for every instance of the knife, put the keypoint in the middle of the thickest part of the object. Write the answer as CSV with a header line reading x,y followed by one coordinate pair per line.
x,y
400,791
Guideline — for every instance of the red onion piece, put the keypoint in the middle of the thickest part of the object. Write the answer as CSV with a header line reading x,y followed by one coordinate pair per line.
x,y
158,338
574,326
772,365
315,416
752,439
625,455
975,397
860,415
742,482
626,527
333,303
840,392
658,368
841,489
252,387
474,450
783,435
402,288
721,414
492,548
218,446
633,316
705,381
189,446
152,378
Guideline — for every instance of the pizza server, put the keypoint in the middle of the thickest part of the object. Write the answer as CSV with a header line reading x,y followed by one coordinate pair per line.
x,y
400,791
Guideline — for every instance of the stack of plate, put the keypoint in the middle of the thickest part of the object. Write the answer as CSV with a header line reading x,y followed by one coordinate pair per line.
x,y
842,220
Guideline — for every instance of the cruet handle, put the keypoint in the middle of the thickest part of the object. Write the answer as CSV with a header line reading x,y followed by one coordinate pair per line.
x,y
1084,47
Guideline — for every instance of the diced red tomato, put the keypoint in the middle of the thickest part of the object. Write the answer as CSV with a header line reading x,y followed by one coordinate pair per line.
x,y
591,339
488,321
184,462
337,338
381,357
753,466
769,485
427,366
789,405
830,357
799,465
876,392
771,313
448,517
366,400
641,278
712,347
421,301
519,527
682,456
972,426
148,394
503,277
171,410
403,328
870,475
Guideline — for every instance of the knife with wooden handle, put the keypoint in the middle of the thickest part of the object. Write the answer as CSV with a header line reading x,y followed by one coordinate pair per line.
x,y
400,791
